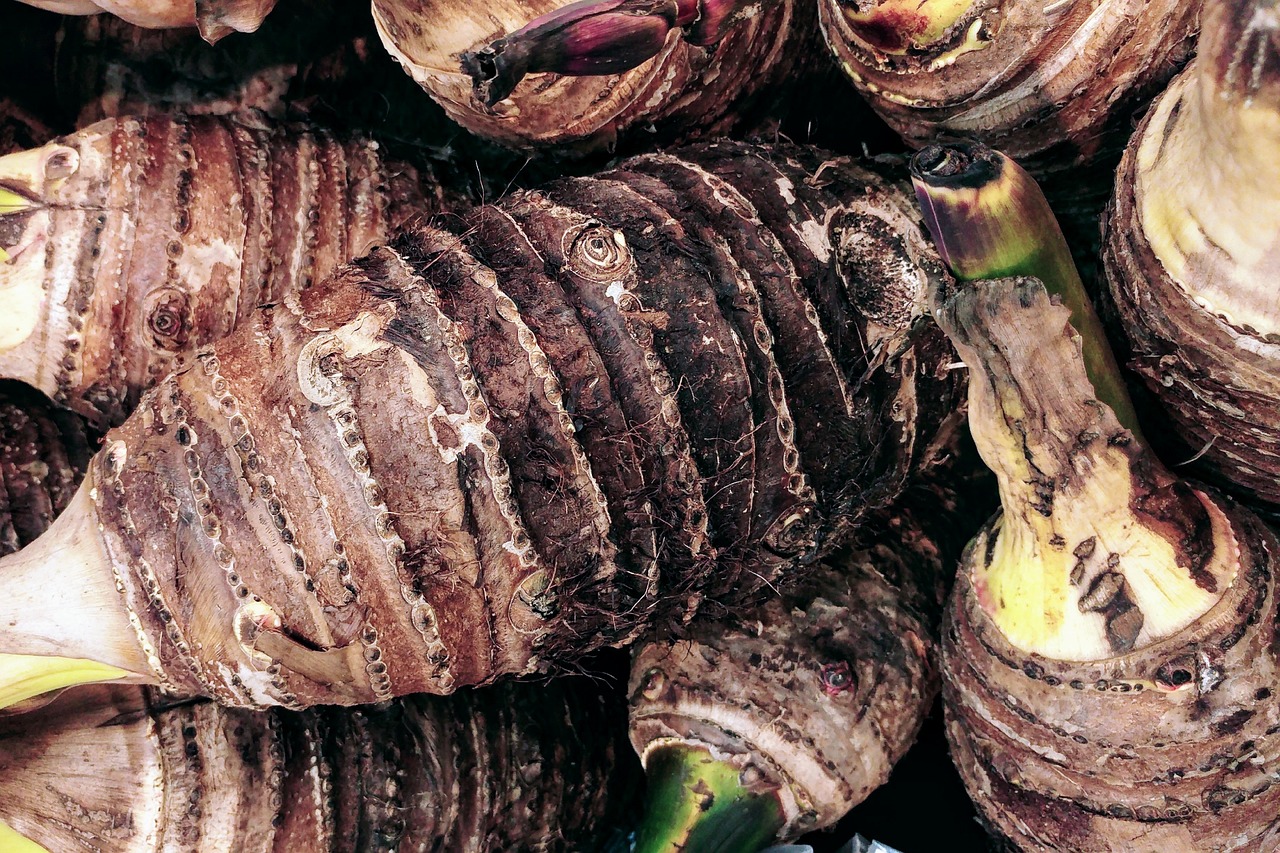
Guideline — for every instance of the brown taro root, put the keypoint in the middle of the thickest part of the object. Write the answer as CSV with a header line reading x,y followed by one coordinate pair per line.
x,y
1109,653
131,243
513,767
44,452
489,449
597,69
214,18
805,704
1052,84
1193,253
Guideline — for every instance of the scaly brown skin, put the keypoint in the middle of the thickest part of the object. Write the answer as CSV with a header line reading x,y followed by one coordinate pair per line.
x,y
44,453
136,241
214,18
487,450
1052,84
814,696
1191,252
513,767
1162,739
698,85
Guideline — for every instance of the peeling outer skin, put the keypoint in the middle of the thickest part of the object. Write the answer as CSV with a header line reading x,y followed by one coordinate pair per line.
x,y
215,18
815,695
530,767
488,451
685,92
1052,84
147,238
44,452
1191,267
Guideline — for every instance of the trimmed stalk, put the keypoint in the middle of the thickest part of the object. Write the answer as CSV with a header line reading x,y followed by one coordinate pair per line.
x,y
1053,84
989,219
1107,654
1192,256
592,38
214,18
514,767
43,455
801,707
135,241
704,803
678,381
538,73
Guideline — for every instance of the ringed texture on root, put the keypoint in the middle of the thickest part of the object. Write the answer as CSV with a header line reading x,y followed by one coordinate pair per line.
x,y
686,91
531,431
1052,84
136,241
514,767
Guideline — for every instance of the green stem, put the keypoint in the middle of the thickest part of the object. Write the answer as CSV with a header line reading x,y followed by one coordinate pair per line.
x,y
699,804
989,220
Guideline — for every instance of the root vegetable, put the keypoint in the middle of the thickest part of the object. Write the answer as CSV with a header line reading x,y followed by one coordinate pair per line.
x,y
1108,651
215,18
489,450
686,67
133,242
514,767
805,704
1052,84
44,452
1192,253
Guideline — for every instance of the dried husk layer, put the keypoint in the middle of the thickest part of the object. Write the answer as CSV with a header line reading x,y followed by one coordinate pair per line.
x,y
1191,253
687,91
513,767
1168,739
488,449
138,240
1052,84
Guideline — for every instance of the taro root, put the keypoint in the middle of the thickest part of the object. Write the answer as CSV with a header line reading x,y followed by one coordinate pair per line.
x,y
214,18
599,68
791,714
1108,650
490,449
1052,84
1192,251
513,767
44,452
131,243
